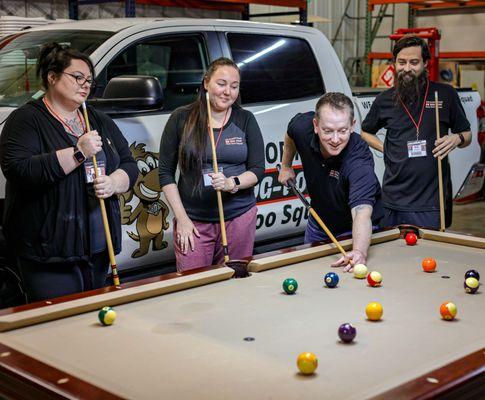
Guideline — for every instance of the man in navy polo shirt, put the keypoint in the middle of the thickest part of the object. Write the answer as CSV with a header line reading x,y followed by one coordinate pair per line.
x,y
407,111
339,173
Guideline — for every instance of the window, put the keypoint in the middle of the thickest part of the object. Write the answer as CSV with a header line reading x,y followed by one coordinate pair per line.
x,y
18,59
275,68
178,62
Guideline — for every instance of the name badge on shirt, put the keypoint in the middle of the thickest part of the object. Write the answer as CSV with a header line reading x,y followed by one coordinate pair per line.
x,y
89,168
206,175
417,148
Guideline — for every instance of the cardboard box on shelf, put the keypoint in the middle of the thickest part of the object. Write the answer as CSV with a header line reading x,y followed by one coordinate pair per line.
x,y
382,75
473,76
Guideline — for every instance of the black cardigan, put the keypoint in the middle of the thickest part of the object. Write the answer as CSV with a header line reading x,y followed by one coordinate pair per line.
x,y
46,214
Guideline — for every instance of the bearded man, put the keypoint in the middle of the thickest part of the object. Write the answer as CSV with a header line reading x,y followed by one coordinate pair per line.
x,y
407,111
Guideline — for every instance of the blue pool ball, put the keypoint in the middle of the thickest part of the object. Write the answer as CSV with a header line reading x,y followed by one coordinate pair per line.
x,y
331,279
472,273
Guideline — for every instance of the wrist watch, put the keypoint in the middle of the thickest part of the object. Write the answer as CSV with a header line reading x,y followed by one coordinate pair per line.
x,y
79,155
462,139
237,182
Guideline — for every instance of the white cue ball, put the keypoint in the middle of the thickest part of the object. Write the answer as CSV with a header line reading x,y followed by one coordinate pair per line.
x,y
360,271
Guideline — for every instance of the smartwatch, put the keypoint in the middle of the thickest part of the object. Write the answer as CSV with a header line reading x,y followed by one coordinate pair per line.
x,y
78,155
237,182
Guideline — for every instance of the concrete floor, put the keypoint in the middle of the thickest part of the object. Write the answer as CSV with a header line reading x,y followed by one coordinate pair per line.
x,y
469,218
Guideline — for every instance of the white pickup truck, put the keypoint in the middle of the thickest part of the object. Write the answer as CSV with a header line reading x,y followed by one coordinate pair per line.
x,y
285,69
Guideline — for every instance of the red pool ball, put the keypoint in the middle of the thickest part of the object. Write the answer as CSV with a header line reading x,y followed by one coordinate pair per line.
x,y
411,239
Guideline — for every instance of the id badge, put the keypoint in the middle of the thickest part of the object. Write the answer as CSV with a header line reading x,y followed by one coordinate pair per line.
x,y
207,177
417,148
89,168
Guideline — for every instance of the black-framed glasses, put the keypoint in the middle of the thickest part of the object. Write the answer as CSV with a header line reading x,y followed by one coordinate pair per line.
x,y
81,79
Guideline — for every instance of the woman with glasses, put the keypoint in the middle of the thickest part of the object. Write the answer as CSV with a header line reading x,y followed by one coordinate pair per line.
x,y
52,219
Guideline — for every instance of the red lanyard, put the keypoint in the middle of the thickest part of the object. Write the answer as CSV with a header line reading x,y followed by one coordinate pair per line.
x,y
418,124
57,116
222,127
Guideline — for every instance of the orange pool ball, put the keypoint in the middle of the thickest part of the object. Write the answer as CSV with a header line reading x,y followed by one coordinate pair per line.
x,y
448,310
429,264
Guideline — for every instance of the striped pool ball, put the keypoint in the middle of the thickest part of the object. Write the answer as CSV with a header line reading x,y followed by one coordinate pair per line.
x,y
374,279
448,310
107,316
471,285
331,279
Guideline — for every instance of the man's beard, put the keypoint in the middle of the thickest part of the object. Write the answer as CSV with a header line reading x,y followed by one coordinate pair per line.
x,y
410,90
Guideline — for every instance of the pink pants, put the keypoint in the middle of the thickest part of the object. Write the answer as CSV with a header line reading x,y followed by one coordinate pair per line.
x,y
240,233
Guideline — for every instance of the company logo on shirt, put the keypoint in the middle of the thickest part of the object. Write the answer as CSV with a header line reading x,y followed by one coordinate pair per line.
x,y
430,104
334,174
234,141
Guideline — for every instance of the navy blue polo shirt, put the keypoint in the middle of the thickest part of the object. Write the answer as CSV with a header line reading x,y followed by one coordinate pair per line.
x,y
336,184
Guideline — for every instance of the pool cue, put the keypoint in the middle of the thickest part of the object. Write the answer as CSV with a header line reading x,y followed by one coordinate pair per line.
x,y
109,242
440,169
314,214
216,170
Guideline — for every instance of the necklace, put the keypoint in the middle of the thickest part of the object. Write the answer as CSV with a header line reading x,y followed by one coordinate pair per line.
x,y
67,127
222,127
417,124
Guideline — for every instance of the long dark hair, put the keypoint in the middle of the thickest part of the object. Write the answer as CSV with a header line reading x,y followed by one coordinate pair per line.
x,y
194,138
56,58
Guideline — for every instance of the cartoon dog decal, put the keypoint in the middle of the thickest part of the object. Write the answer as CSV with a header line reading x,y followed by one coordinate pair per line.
x,y
151,212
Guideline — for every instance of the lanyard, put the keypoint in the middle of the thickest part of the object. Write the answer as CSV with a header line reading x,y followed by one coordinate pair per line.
x,y
57,116
222,127
418,124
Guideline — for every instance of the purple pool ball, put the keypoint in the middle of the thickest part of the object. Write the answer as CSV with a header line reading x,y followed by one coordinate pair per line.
x,y
346,332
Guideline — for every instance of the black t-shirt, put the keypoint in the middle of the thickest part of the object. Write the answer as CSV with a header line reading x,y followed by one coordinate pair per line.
x,y
411,184
239,148
336,184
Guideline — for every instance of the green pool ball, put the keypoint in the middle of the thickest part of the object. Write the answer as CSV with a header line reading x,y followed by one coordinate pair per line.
x,y
290,285
107,316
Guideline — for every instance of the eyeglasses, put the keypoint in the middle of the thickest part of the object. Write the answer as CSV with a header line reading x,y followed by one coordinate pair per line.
x,y
81,79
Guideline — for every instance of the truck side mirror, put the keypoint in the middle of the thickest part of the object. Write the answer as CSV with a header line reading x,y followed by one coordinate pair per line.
x,y
128,94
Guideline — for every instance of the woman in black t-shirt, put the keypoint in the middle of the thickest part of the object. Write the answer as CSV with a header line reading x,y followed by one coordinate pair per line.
x,y
240,152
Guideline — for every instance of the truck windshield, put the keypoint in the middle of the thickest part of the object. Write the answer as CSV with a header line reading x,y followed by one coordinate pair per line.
x,y
18,58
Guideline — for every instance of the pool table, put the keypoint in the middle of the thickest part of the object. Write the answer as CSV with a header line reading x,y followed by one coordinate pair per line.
x,y
203,335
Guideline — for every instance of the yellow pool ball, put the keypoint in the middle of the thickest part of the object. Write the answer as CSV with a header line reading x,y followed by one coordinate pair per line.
x,y
360,271
107,316
307,363
374,311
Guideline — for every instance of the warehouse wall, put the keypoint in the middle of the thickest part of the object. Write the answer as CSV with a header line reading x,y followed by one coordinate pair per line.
x,y
349,43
